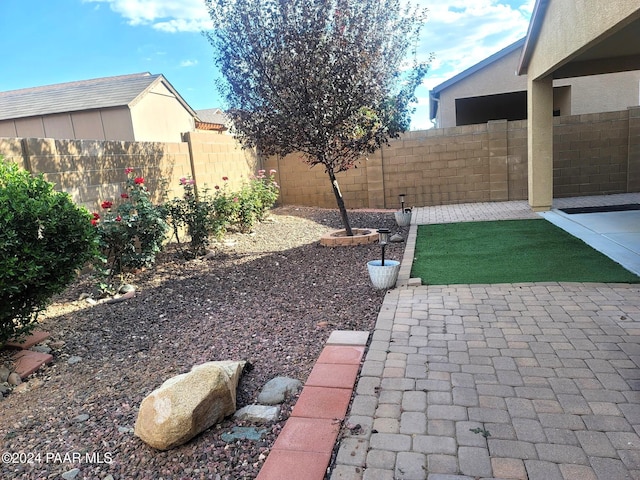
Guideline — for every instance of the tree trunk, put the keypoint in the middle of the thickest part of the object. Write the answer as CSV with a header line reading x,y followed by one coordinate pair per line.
x,y
340,202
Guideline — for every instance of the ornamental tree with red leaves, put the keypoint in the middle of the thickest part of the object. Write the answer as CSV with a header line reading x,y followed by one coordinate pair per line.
x,y
332,79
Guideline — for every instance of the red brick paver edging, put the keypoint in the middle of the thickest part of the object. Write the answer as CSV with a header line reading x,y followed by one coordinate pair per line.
x,y
304,447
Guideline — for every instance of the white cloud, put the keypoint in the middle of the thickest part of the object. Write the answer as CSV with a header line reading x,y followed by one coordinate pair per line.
x,y
462,33
166,15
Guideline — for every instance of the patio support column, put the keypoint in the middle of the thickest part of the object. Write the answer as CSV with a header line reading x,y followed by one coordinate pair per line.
x,y
540,143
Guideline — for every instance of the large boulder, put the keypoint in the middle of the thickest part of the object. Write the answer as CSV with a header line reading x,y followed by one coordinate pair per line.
x,y
188,404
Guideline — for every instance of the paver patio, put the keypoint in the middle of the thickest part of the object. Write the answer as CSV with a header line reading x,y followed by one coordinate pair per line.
x,y
535,381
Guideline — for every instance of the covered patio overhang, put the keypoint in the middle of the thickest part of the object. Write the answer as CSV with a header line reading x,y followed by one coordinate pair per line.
x,y
570,39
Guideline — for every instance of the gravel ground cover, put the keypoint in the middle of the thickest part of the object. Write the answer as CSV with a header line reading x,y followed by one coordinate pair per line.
x,y
271,297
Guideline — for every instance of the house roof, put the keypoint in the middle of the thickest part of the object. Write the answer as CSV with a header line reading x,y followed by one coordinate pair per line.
x,y
212,115
212,119
434,94
532,35
123,90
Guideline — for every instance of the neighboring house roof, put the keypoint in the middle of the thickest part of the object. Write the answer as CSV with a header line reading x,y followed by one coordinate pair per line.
x,y
434,94
123,90
212,115
212,119
532,35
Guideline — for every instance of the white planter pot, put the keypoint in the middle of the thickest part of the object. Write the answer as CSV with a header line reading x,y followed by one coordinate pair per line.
x,y
383,277
403,219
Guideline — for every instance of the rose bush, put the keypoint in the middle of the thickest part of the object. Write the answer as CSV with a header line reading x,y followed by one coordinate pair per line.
x,y
131,233
209,213
194,213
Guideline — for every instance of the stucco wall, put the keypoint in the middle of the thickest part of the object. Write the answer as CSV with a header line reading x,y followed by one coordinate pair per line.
x,y
589,21
101,124
602,93
499,77
591,94
158,116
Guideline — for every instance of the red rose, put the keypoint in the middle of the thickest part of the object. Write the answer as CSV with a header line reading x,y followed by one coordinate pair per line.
x,y
107,204
124,195
138,180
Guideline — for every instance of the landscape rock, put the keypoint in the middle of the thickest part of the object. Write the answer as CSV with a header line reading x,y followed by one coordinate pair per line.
x,y
397,238
126,288
188,404
276,389
14,379
74,359
243,433
81,418
71,474
258,413
28,386
4,373
121,298
41,348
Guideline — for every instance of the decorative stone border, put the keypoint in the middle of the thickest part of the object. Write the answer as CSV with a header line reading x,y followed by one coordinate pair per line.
x,y
338,238
304,447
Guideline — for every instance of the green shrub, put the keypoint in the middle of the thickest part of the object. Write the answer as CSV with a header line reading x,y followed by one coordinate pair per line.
x,y
131,233
255,199
207,215
195,213
44,239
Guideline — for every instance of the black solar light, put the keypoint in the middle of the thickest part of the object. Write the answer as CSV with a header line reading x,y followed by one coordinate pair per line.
x,y
402,195
383,240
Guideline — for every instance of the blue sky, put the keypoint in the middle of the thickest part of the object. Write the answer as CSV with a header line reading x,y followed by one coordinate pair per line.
x,y
46,42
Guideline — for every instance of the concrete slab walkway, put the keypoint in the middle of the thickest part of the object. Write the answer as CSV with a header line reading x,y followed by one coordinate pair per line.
x,y
535,381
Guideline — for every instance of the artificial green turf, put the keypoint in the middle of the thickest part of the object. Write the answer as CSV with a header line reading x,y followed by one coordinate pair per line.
x,y
509,251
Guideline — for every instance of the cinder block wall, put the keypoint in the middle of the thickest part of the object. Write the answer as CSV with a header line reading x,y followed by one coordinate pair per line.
x,y
215,156
301,184
94,171
633,180
437,167
431,167
517,167
593,154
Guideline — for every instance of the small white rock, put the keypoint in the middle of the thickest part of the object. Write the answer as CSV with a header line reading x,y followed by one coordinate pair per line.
x,y
71,474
